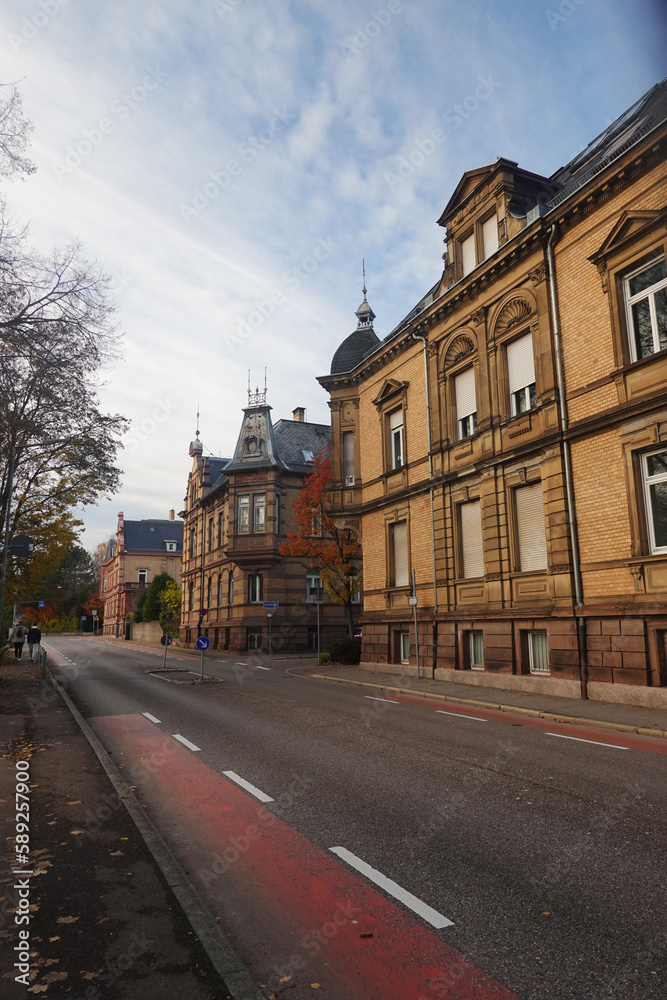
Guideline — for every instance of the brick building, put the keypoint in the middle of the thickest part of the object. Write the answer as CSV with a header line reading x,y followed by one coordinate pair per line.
x,y
237,512
507,441
139,551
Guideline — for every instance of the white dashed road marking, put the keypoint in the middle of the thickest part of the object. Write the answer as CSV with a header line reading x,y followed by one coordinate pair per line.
x,y
373,698
262,796
460,715
151,718
186,743
417,905
613,746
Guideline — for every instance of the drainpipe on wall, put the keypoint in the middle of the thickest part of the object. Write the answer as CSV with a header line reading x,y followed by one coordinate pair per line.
x,y
417,336
569,491
200,623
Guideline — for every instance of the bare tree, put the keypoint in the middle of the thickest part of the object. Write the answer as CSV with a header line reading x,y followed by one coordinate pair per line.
x,y
15,132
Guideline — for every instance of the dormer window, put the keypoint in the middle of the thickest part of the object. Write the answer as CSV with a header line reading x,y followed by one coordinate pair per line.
x,y
490,236
479,245
307,455
171,546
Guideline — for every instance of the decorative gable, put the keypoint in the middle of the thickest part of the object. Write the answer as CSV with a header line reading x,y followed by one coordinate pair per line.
x,y
389,389
629,228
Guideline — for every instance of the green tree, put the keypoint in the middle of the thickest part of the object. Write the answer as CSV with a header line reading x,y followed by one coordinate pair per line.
x,y
170,608
151,608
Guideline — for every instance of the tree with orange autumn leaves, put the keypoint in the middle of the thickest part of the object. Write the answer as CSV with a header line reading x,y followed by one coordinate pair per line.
x,y
334,551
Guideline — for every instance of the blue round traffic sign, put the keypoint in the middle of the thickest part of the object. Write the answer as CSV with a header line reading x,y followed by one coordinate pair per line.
x,y
202,642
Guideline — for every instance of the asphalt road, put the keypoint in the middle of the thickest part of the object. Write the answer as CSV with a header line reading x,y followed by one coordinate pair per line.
x,y
526,859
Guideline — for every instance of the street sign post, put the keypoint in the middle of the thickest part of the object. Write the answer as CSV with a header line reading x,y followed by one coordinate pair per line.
x,y
202,644
270,607
40,604
166,640
413,602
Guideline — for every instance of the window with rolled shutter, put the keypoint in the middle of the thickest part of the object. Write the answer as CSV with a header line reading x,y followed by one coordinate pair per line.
x,y
466,403
399,538
521,374
468,254
530,526
396,438
348,457
471,539
490,236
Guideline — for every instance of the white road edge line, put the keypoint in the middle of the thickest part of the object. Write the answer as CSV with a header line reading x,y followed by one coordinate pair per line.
x,y
186,743
151,718
417,905
388,700
257,667
460,715
262,796
561,736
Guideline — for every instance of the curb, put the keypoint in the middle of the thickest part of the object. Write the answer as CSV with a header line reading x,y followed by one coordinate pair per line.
x,y
224,959
618,727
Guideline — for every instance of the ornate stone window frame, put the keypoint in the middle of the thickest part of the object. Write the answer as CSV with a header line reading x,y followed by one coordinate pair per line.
x,y
635,237
516,315
392,396
459,352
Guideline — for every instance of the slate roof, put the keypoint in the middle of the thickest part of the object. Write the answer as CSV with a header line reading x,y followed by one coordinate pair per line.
x,y
354,349
111,548
294,437
216,466
150,536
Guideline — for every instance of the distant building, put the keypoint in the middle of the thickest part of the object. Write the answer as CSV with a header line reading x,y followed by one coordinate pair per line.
x,y
139,551
507,441
237,512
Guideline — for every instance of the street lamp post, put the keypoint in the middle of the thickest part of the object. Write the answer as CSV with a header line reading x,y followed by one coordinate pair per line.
x,y
13,458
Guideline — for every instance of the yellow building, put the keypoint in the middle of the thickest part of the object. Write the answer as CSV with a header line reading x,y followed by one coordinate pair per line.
x,y
505,446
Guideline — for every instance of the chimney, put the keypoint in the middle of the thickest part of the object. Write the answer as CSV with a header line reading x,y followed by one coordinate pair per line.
x,y
172,514
299,414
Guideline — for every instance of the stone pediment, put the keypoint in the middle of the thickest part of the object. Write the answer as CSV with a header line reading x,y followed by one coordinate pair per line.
x,y
470,182
513,313
389,389
461,346
628,227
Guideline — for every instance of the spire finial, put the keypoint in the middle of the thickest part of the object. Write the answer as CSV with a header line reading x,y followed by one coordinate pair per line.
x,y
256,398
363,268
197,431
364,313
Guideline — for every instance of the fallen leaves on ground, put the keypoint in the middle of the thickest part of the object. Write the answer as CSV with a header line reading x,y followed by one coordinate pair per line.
x,y
67,920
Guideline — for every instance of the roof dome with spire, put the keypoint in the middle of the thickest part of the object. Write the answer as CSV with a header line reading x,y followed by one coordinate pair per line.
x,y
359,344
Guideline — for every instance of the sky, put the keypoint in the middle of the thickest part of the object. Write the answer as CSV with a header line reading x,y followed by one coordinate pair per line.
x,y
231,162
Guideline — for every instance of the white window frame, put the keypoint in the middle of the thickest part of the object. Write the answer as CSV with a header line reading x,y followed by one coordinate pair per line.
x,y
527,554
348,457
647,293
244,514
490,228
313,584
522,398
259,514
255,588
171,546
142,576
532,636
356,594
466,423
476,662
468,261
403,527
396,438
649,481
405,647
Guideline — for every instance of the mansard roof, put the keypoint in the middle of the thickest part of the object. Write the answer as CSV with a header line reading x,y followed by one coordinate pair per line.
x,y
151,535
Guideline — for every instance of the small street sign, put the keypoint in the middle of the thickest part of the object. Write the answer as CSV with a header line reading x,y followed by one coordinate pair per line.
x,y
21,545
41,604
203,612
84,618
412,601
269,614
271,605
166,640
202,643
94,613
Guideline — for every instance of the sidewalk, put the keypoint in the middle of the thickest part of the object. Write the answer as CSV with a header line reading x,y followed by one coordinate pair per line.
x,y
622,718
104,922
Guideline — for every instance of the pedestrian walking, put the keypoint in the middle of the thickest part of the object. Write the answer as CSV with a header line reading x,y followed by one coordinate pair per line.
x,y
34,639
18,638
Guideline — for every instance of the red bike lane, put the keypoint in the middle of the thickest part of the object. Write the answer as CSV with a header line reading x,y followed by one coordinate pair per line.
x,y
297,914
